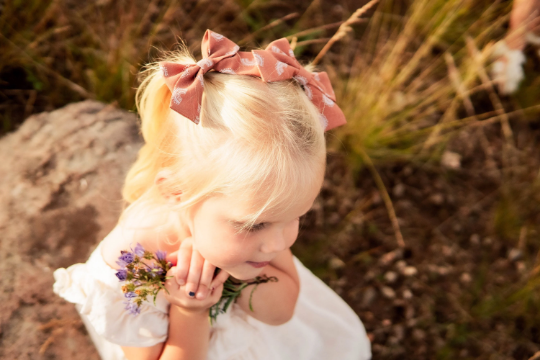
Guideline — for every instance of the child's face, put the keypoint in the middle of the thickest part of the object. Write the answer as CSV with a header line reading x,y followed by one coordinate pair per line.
x,y
215,225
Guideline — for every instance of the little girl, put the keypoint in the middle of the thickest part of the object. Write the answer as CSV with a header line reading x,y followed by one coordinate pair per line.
x,y
234,155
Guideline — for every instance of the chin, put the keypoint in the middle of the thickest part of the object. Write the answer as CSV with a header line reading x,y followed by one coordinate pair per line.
x,y
246,274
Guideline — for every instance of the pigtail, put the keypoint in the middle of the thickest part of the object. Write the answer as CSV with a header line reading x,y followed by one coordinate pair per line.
x,y
152,99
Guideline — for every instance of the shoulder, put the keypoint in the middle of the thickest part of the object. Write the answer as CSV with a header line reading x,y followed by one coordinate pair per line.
x,y
152,230
284,261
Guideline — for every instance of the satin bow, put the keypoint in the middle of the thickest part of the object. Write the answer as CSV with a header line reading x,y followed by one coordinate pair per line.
x,y
275,63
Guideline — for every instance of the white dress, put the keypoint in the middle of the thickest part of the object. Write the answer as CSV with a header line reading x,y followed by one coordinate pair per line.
x,y
323,326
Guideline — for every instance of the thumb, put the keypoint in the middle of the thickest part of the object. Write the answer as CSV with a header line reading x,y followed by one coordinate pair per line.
x,y
219,279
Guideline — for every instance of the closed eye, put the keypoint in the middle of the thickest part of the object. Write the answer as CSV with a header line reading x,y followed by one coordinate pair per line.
x,y
256,227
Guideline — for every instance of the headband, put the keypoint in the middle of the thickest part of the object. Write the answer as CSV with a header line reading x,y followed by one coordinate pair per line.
x,y
275,63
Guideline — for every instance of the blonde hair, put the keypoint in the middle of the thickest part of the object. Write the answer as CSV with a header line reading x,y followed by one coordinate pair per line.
x,y
255,140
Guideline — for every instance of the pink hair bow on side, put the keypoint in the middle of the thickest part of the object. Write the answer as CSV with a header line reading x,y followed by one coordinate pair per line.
x,y
275,63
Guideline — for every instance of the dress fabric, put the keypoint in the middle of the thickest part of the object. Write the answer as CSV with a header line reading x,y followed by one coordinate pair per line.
x,y
323,326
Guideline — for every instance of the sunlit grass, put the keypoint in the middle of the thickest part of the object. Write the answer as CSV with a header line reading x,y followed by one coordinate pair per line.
x,y
410,76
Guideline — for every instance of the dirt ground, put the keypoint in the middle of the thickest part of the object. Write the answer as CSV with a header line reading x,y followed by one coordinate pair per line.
x,y
452,292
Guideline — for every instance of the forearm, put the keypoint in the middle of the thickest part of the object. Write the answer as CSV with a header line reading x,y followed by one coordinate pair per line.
x,y
272,302
189,334
521,21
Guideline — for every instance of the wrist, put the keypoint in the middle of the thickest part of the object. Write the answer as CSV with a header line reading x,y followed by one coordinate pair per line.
x,y
190,312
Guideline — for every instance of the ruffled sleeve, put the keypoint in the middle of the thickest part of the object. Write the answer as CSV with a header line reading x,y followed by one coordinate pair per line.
x,y
95,288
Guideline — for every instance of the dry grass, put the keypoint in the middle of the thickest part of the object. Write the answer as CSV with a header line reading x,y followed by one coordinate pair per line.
x,y
401,98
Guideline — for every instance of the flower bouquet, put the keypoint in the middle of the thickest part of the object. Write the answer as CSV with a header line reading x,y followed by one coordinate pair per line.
x,y
145,273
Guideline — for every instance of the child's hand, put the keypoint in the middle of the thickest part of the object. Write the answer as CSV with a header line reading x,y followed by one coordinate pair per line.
x,y
177,295
193,273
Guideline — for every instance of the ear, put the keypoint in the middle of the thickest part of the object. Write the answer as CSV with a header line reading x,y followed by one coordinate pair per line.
x,y
161,177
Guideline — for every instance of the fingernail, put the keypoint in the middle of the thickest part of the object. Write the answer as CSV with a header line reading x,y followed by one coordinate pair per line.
x,y
181,281
200,296
191,293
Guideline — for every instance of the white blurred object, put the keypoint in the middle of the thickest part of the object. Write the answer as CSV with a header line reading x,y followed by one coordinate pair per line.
x,y
507,71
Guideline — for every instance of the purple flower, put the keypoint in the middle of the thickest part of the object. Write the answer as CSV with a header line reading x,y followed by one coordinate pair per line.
x,y
132,308
161,255
121,275
139,250
130,295
125,258
156,269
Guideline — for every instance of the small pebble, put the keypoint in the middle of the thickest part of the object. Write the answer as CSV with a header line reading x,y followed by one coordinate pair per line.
x,y
388,292
451,160
418,334
475,239
376,198
444,270
390,277
514,254
447,251
407,294
409,271
390,257
398,190
386,322
336,263
465,278
370,275
400,265
436,199
369,296
412,322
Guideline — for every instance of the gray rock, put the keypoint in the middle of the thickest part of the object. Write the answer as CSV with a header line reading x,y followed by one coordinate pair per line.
x,y
60,195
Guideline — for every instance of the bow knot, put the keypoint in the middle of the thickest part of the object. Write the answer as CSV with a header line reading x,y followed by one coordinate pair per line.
x,y
276,63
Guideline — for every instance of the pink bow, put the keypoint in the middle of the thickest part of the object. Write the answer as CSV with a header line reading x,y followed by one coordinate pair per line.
x,y
275,63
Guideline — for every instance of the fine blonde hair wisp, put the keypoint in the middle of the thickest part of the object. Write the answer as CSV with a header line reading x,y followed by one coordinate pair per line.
x,y
258,141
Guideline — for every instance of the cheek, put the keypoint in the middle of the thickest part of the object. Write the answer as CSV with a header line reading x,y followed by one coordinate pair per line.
x,y
291,232
221,248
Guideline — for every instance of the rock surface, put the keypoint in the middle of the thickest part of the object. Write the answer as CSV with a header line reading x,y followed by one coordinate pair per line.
x,y
61,175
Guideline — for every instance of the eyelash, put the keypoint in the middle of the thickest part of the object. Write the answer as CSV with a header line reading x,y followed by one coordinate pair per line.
x,y
256,227
261,226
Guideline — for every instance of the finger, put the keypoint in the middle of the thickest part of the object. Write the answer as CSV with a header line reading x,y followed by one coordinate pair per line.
x,y
219,279
184,259
194,275
172,257
205,281
170,283
215,295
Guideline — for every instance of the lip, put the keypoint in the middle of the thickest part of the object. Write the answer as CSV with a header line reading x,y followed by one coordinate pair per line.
x,y
258,264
